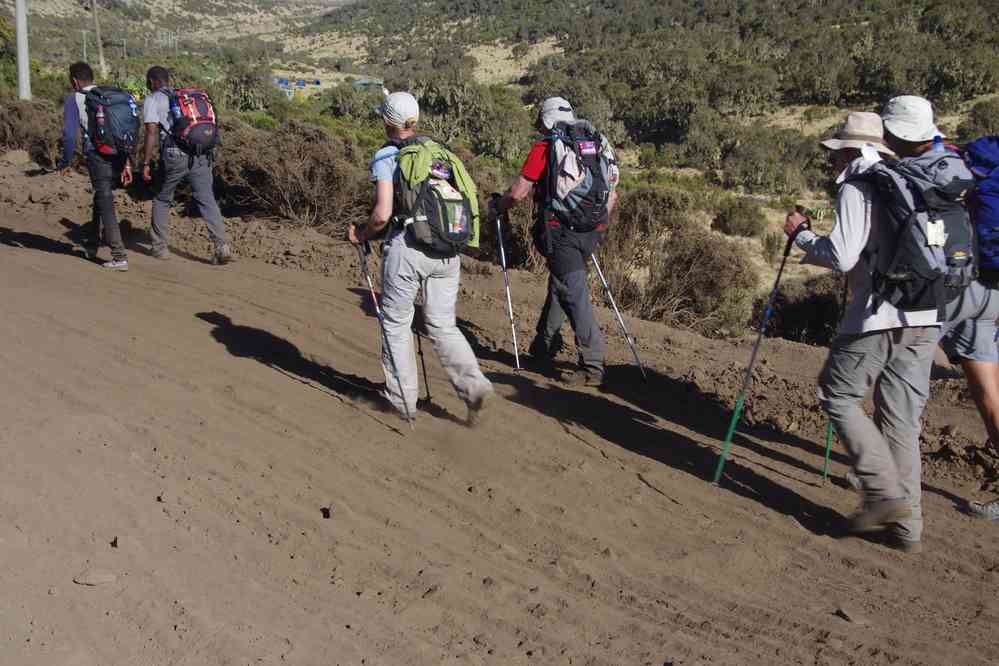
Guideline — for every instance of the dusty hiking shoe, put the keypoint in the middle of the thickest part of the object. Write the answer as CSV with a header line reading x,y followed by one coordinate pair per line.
x,y
987,510
877,516
161,253
584,377
90,253
222,254
116,265
476,408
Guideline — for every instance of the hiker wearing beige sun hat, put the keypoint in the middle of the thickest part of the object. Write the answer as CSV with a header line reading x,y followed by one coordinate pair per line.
x,y
861,129
877,345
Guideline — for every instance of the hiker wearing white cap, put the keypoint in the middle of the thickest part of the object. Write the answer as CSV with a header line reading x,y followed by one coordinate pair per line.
x,y
409,264
876,345
573,174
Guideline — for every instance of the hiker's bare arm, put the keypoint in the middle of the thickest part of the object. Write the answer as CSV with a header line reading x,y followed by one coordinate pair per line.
x,y
842,248
152,137
519,191
611,204
381,213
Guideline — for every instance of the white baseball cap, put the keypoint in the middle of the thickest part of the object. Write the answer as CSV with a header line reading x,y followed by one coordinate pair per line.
x,y
399,109
910,118
555,110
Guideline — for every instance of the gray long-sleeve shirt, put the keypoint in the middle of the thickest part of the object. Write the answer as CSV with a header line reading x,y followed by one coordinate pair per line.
x,y
851,247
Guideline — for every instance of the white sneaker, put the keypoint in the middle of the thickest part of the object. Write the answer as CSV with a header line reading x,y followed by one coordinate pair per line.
x,y
116,265
987,510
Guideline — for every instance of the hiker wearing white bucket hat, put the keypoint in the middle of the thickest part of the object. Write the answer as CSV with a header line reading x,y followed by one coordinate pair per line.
x,y
910,118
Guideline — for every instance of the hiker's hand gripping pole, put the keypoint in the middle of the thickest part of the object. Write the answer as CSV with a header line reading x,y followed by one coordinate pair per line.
x,y
494,209
363,250
620,319
747,379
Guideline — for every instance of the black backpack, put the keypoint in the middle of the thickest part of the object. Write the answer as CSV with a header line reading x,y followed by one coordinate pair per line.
x,y
584,208
112,120
934,253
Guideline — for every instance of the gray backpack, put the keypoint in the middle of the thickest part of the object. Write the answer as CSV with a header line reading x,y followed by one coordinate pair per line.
x,y
934,255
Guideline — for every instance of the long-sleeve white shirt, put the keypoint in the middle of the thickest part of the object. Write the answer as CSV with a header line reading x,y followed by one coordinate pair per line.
x,y
852,248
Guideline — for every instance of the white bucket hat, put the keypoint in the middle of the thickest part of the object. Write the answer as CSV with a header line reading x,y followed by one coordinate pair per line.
x,y
910,118
555,110
860,129
399,109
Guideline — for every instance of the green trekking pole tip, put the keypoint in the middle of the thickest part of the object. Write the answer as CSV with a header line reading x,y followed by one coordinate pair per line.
x,y
829,440
727,445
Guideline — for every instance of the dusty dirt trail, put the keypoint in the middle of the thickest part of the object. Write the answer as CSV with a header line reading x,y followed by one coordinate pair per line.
x,y
184,428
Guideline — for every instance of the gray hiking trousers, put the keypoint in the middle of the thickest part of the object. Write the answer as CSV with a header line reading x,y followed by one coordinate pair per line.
x,y
885,449
404,270
105,174
176,165
569,296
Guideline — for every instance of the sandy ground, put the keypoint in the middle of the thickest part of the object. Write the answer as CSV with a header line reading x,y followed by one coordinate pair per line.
x,y
200,443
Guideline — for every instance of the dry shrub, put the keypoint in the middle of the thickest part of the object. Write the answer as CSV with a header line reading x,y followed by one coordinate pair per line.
x,y
809,310
665,266
32,126
298,172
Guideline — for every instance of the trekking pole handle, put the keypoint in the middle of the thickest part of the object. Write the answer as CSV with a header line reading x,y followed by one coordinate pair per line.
x,y
807,224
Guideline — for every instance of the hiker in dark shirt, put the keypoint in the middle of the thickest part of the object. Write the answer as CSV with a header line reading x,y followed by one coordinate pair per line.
x,y
104,171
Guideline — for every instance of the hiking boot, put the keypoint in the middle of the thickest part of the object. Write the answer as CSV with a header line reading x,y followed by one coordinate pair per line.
x,y
907,546
853,480
476,408
161,253
584,377
987,510
90,253
116,265
222,254
875,516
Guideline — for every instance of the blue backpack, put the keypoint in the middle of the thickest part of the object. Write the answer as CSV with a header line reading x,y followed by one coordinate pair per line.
x,y
982,157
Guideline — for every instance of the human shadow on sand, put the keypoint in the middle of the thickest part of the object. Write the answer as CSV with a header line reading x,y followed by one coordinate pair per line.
x,y
36,242
136,240
282,355
636,431
675,400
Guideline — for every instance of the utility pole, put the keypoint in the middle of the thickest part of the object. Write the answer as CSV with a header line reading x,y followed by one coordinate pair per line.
x,y
101,63
23,64
85,33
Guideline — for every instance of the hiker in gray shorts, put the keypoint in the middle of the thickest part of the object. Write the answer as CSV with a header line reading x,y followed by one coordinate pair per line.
x,y
406,268
176,166
881,347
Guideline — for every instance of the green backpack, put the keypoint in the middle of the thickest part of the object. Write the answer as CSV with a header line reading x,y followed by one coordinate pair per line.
x,y
435,198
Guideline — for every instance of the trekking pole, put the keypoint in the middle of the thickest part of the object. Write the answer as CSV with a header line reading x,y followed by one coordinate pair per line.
x,y
419,344
363,253
620,319
506,283
829,426
737,412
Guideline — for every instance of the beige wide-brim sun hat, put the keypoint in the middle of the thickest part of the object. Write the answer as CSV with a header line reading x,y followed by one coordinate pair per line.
x,y
861,129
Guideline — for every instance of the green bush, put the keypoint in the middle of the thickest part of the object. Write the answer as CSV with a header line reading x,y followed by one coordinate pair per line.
x,y
740,216
983,120
773,245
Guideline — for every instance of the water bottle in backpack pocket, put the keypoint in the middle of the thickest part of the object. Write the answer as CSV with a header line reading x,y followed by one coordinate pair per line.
x,y
112,120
